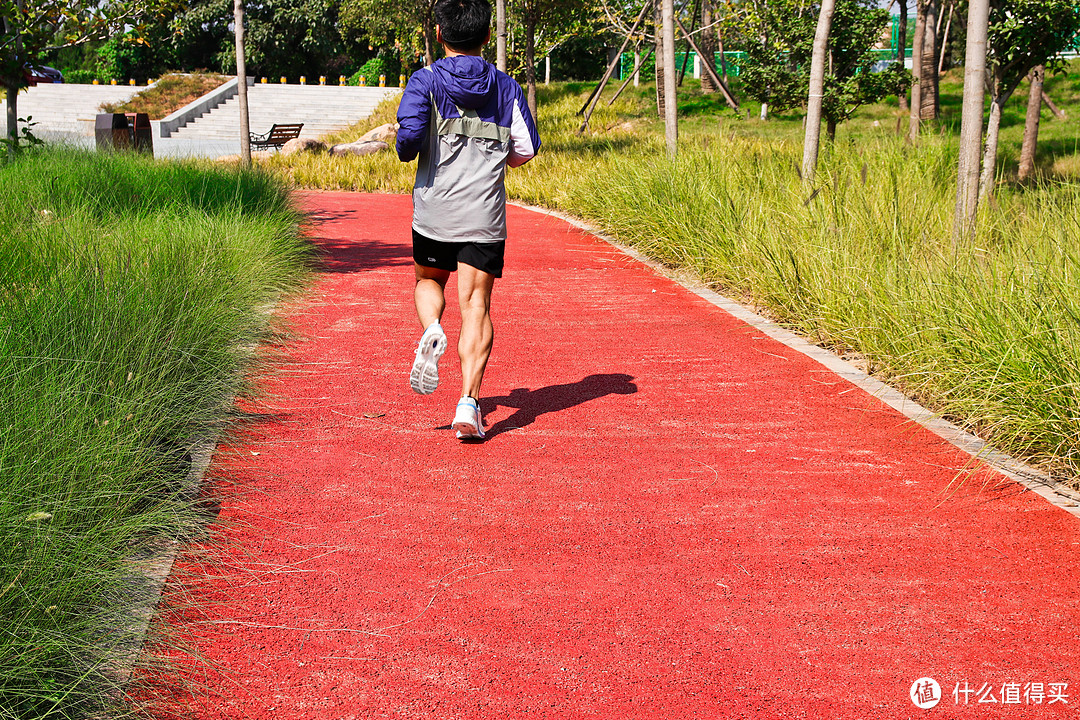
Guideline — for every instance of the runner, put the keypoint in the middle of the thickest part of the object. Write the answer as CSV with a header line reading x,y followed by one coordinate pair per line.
x,y
467,121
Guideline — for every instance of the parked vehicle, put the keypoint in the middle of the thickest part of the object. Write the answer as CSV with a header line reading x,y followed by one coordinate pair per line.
x,y
42,74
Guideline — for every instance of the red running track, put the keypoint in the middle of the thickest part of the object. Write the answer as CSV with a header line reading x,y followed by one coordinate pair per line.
x,y
674,517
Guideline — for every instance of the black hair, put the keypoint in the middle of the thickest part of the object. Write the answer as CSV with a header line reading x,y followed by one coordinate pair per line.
x,y
465,24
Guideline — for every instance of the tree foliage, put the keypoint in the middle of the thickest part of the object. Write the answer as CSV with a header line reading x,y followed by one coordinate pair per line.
x,y
778,36
32,29
407,25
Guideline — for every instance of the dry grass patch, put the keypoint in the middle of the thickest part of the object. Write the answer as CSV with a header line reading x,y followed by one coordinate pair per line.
x,y
171,93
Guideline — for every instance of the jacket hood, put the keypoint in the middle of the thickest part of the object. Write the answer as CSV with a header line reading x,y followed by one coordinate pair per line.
x,y
468,80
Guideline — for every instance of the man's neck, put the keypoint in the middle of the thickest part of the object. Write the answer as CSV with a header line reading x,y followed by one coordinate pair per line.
x,y
450,52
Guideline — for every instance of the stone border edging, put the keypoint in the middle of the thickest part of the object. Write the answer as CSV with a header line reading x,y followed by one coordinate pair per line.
x,y
1038,482
147,578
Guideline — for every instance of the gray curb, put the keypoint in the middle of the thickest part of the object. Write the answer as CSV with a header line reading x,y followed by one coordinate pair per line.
x,y
1051,490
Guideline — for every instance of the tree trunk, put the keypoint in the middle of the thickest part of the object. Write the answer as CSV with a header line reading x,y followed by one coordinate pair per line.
x,y
12,85
671,116
241,83
1031,123
723,60
530,62
658,25
928,76
989,161
967,186
901,50
812,139
500,34
915,109
708,47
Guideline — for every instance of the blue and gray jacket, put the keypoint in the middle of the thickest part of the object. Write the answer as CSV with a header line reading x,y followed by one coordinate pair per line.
x,y
467,121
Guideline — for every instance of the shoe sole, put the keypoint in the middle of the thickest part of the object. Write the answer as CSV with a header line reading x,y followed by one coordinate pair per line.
x,y
467,431
424,376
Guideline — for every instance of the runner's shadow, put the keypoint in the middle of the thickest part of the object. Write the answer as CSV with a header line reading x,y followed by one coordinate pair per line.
x,y
531,404
349,256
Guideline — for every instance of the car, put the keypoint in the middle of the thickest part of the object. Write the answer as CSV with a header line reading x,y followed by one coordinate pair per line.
x,y
42,74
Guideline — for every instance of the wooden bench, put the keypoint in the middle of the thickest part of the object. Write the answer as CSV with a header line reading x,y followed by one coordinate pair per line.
x,y
276,136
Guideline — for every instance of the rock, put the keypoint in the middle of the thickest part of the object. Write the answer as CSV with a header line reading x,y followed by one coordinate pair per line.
x,y
303,145
383,133
360,147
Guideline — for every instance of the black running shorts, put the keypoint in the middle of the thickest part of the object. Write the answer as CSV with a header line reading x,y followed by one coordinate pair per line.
x,y
487,257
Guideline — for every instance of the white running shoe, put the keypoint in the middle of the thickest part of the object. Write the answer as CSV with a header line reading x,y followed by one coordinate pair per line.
x,y
424,377
467,420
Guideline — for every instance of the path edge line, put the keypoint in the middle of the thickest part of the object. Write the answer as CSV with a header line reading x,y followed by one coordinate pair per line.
x,y
1054,492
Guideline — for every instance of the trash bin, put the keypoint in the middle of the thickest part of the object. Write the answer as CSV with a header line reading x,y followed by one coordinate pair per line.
x,y
124,131
111,131
142,137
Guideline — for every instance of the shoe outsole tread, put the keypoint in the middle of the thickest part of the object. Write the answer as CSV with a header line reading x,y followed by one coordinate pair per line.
x,y
424,376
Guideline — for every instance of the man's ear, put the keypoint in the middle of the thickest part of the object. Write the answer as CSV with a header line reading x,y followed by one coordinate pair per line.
x,y
438,34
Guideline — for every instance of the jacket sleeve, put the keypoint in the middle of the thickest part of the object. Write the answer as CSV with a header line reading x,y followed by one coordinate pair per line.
x,y
524,139
413,116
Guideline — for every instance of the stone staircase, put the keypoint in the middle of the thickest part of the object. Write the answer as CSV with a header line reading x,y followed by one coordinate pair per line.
x,y
69,108
322,109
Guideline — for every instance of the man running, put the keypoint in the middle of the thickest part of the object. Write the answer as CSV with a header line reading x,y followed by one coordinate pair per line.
x,y
467,121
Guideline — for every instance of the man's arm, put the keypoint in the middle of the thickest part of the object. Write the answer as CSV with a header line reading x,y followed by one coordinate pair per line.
x,y
524,139
413,116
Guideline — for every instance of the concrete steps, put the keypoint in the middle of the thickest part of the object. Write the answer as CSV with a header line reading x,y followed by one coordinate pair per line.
x,y
322,109
70,109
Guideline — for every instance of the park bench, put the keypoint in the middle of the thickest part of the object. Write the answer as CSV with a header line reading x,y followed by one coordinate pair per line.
x,y
276,136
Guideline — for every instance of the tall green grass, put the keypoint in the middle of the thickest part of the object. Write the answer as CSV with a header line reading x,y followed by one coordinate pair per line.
x,y
133,298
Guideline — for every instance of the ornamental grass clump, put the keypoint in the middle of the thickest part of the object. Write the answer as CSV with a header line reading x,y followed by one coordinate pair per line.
x,y
133,298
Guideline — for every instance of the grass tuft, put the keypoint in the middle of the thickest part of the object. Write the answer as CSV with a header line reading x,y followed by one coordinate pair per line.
x,y
133,296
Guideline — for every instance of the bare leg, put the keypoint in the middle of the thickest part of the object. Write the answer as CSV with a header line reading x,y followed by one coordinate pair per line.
x,y
477,333
429,294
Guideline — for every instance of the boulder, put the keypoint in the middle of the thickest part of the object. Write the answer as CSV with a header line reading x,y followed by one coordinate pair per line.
x,y
384,133
303,145
360,147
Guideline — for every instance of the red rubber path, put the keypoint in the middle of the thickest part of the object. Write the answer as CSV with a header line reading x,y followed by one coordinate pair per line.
x,y
674,517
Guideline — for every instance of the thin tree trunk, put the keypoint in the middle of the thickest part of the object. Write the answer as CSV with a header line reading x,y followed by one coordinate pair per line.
x,y
658,28
637,68
241,83
989,162
500,34
915,109
13,84
901,50
12,91
812,138
967,186
530,62
1031,123
928,78
723,59
708,47
671,116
